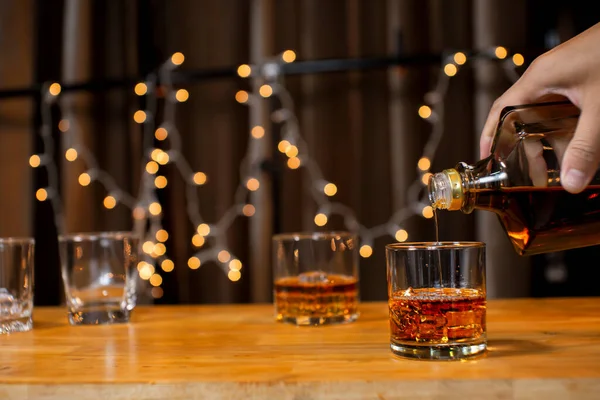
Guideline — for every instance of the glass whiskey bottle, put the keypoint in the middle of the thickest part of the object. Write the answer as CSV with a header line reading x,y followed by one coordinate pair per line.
x,y
520,182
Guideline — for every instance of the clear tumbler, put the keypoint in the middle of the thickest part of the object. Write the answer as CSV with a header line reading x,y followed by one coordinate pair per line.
x,y
16,284
99,276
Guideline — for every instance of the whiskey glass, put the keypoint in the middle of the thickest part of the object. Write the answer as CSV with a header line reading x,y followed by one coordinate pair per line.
x,y
16,284
437,299
99,276
315,278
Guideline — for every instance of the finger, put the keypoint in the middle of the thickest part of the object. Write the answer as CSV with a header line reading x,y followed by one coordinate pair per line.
x,y
485,145
538,171
559,143
562,124
513,96
537,84
542,95
583,153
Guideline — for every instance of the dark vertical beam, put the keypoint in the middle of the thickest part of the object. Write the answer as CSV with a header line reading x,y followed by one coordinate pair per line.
x,y
274,167
288,185
261,45
149,23
47,65
98,111
458,108
151,52
508,275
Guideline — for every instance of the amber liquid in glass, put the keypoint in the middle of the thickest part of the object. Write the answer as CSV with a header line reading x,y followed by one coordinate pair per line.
x,y
437,315
549,219
316,295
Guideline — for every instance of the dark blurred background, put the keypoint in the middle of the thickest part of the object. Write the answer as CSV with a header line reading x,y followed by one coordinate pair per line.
x,y
361,126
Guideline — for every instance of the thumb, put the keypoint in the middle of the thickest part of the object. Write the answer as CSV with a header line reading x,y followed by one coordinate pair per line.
x,y
581,158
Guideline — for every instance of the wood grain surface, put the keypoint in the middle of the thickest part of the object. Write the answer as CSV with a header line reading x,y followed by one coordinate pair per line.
x,y
538,349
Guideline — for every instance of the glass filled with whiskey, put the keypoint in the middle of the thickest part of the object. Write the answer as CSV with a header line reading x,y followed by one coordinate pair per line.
x,y
437,299
315,278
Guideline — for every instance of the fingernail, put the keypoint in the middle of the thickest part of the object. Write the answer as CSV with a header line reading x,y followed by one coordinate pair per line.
x,y
574,179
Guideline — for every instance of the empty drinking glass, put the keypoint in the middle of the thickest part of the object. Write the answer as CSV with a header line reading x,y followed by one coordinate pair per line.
x,y
99,276
16,284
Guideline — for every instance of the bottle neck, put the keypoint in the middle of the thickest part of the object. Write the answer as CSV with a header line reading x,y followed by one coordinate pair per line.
x,y
447,190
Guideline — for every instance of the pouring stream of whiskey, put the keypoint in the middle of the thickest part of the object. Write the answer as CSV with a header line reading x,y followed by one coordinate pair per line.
x,y
437,228
437,240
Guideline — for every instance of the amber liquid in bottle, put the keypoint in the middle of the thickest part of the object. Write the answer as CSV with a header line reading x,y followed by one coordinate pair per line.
x,y
545,219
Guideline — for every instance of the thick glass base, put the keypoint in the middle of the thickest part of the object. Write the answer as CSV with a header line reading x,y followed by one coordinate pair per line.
x,y
23,324
99,317
317,321
458,351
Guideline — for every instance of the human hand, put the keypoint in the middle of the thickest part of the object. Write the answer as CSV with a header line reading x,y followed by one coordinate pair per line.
x,y
572,71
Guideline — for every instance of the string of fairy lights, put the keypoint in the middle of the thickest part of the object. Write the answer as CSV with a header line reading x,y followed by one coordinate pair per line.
x,y
49,93
209,239
145,207
296,149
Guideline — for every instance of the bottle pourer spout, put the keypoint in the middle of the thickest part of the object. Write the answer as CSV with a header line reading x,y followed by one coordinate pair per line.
x,y
445,190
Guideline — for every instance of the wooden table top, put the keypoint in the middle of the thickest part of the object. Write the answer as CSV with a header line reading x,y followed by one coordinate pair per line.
x,y
542,349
